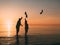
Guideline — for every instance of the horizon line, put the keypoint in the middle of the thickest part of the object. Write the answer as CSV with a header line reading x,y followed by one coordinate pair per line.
x,y
47,24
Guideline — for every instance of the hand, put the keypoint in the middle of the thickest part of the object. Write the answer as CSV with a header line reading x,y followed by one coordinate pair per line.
x,y
21,25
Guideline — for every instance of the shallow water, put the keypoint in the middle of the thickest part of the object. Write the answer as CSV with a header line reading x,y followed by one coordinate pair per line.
x,y
37,35
31,40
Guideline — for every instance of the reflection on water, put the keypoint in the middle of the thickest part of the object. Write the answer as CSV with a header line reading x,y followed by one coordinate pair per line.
x,y
6,40
26,40
31,40
17,40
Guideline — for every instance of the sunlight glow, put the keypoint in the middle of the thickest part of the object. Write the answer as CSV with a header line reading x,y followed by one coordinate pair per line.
x,y
8,26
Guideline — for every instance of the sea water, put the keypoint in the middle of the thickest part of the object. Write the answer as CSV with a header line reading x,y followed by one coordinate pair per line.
x,y
37,35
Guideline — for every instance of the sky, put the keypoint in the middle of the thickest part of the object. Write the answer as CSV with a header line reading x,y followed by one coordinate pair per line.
x,y
12,10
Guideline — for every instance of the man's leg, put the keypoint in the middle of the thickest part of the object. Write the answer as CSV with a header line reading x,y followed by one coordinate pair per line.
x,y
17,31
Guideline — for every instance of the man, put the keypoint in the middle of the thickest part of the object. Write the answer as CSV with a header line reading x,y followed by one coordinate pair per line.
x,y
18,25
26,27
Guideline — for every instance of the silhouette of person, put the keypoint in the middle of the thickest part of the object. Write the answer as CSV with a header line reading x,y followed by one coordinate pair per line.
x,y
26,27
18,25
